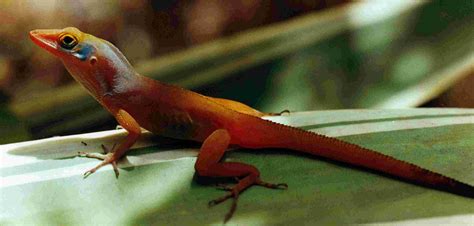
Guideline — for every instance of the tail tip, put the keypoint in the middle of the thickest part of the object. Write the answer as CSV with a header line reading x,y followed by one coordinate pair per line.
x,y
461,189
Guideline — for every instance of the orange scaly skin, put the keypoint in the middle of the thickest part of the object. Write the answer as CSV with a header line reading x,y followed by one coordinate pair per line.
x,y
137,101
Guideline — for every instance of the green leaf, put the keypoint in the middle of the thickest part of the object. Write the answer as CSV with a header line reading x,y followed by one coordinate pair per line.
x,y
41,182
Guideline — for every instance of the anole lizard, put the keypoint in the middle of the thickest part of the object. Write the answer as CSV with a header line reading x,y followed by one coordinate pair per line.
x,y
138,101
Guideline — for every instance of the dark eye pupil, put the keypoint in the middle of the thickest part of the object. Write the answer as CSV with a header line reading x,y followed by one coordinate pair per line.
x,y
68,40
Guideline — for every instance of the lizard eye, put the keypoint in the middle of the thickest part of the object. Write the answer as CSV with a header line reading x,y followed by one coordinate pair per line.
x,y
67,41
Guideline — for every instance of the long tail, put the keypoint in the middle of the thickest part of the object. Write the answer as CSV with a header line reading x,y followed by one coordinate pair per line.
x,y
281,136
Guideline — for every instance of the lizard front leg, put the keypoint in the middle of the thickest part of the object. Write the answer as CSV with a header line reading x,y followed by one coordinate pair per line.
x,y
134,131
207,164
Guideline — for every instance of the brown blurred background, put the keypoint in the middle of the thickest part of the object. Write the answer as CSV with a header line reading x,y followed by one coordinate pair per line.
x,y
141,29
273,55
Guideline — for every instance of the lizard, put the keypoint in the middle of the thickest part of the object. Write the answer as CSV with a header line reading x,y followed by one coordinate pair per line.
x,y
137,102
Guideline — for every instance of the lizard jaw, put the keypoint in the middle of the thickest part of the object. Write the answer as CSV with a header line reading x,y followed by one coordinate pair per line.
x,y
46,39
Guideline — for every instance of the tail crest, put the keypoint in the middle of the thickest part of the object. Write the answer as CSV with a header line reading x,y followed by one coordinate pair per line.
x,y
282,136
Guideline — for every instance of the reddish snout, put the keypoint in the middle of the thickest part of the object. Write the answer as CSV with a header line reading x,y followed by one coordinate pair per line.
x,y
46,39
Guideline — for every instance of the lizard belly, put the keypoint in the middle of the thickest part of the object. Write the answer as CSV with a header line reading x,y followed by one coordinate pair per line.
x,y
176,124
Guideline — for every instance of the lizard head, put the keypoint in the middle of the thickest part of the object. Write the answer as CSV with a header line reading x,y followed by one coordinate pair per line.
x,y
68,44
92,61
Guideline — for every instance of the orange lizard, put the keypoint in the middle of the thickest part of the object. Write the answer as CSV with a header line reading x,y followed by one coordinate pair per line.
x,y
138,101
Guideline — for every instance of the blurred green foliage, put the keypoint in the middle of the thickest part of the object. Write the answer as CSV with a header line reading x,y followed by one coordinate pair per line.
x,y
11,129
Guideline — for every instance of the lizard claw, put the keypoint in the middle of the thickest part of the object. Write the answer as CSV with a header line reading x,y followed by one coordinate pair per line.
x,y
116,171
286,111
87,173
229,214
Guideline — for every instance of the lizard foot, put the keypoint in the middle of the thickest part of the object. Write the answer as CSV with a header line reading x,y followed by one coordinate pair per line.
x,y
234,191
286,111
107,158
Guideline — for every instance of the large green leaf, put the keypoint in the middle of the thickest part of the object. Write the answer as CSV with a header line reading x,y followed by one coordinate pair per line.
x,y
41,182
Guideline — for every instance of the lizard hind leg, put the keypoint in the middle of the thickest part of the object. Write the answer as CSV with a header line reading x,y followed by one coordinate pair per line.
x,y
207,164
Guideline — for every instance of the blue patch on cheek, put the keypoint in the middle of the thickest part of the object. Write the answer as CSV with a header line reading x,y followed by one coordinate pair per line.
x,y
84,51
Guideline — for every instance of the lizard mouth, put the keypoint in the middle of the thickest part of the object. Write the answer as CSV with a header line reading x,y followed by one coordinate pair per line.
x,y
46,39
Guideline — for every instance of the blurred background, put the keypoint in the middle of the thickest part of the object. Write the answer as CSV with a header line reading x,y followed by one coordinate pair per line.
x,y
296,55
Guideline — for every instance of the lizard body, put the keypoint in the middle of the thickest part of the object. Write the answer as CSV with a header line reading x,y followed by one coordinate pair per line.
x,y
137,101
